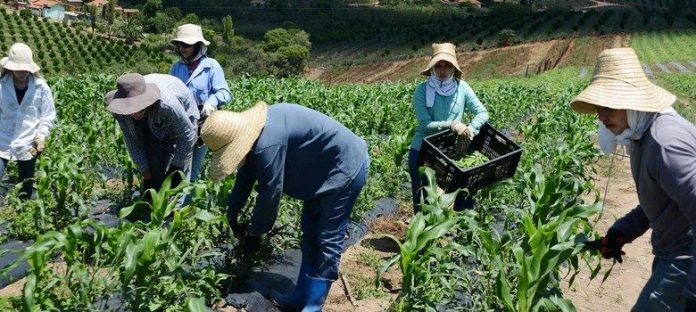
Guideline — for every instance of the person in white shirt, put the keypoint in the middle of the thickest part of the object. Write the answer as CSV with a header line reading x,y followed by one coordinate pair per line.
x,y
27,114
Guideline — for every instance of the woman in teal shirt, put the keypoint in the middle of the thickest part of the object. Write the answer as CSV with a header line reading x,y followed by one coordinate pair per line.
x,y
440,103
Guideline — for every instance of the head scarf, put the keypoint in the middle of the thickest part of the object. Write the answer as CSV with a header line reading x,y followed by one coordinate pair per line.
x,y
445,87
638,123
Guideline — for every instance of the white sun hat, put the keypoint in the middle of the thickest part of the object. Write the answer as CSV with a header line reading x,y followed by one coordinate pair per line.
x,y
19,58
190,34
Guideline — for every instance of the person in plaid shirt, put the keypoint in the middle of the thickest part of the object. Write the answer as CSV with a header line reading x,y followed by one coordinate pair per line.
x,y
159,119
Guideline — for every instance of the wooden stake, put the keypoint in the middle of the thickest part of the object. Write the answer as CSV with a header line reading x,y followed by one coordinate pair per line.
x,y
347,288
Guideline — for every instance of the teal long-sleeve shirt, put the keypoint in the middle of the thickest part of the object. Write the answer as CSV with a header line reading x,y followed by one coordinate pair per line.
x,y
445,110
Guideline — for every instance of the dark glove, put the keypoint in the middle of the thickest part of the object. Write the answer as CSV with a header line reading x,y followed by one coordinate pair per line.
x,y
176,178
610,245
199,141
690,305
251,244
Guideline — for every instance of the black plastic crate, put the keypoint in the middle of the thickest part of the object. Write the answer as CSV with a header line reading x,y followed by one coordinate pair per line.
x,y
439,149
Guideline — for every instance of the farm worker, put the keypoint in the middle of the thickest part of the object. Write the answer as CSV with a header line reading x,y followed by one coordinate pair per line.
x,y
638,114
293,150
440,102
159,119
27,114
203,76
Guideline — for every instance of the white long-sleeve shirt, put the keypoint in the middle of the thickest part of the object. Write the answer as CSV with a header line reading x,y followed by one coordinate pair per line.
x,y
21,124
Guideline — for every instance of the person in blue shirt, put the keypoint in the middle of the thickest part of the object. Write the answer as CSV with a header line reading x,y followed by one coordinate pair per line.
x,y
293,150
440,103
203,76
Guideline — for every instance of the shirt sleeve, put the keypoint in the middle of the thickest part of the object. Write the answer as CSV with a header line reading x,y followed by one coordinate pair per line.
x,y
633,224
473,105
134,142
47,112
183,131
243,184
677,176
220,94
270,169
425,123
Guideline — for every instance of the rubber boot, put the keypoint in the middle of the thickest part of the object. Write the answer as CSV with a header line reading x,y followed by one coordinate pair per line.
x,y
317,290
296,298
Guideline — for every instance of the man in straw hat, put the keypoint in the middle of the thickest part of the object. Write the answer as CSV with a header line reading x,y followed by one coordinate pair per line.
x,y
159,119
638,114
293,150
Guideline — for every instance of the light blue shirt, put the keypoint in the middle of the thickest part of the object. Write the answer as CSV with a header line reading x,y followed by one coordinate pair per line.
x,y
207,82
445,110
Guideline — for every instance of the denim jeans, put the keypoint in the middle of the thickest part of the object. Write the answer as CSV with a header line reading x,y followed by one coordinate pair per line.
x,y
197,162
26,169
664,289
324,223
414,163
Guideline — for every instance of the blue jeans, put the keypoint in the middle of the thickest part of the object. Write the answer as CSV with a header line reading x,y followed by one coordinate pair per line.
x,y
664,289
414,163
26,169
197,162
324,222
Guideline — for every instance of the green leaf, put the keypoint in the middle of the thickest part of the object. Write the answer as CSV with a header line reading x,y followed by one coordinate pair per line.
x,y
197,305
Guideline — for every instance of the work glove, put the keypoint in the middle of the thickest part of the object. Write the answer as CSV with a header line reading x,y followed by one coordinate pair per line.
x,y
207,109
610,245
690,305
39,144
177,177
462,130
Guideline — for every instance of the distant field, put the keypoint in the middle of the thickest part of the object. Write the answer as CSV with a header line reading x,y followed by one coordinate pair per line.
x,y
667,46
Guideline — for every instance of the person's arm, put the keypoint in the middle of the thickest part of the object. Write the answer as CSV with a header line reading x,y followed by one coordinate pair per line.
x,y
270,169
243,184
633,224
473,104
134,142
676,173
47,113
220,93
183,130
425,123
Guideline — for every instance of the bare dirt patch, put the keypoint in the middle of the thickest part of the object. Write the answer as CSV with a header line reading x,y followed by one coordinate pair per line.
x,y
621,289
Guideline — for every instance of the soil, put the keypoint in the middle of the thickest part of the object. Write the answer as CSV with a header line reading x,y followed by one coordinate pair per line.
x,y
621,289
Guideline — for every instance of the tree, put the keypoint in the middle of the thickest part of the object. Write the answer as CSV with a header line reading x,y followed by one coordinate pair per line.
x,y
128,29
161,23
227,29
151,8
280,37
290,60
506,36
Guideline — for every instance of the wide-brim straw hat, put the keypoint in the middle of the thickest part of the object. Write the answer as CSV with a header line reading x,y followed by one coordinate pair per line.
x,y
619,82
19,58
132,95
230,136
189,34
443,52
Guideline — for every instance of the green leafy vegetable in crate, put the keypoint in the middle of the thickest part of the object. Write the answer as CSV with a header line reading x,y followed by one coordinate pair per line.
x,y
472,160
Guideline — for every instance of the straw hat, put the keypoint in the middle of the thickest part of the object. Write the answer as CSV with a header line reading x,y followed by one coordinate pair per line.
x,y
189,34
132,95
19,58
443,52
620,83
230,136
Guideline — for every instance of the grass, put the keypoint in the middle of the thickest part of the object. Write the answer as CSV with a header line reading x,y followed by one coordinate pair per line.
x,y
666,46
683,85
369,259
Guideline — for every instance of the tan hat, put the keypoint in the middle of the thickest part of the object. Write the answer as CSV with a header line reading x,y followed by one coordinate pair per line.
x,y
443,52
19,58
189,34
132,95
230,136
620,83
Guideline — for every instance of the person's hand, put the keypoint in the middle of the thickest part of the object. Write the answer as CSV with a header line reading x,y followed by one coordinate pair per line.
x,y
176,177
609,246
39,144
462,130
207,109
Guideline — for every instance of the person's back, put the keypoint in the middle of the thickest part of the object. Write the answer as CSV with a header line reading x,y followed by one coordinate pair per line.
x,y
319,150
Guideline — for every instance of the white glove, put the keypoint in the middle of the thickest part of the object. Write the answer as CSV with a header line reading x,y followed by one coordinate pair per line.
x,y
207,109
462,129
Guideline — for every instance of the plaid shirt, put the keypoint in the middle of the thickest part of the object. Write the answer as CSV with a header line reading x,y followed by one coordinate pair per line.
x,y
174,122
